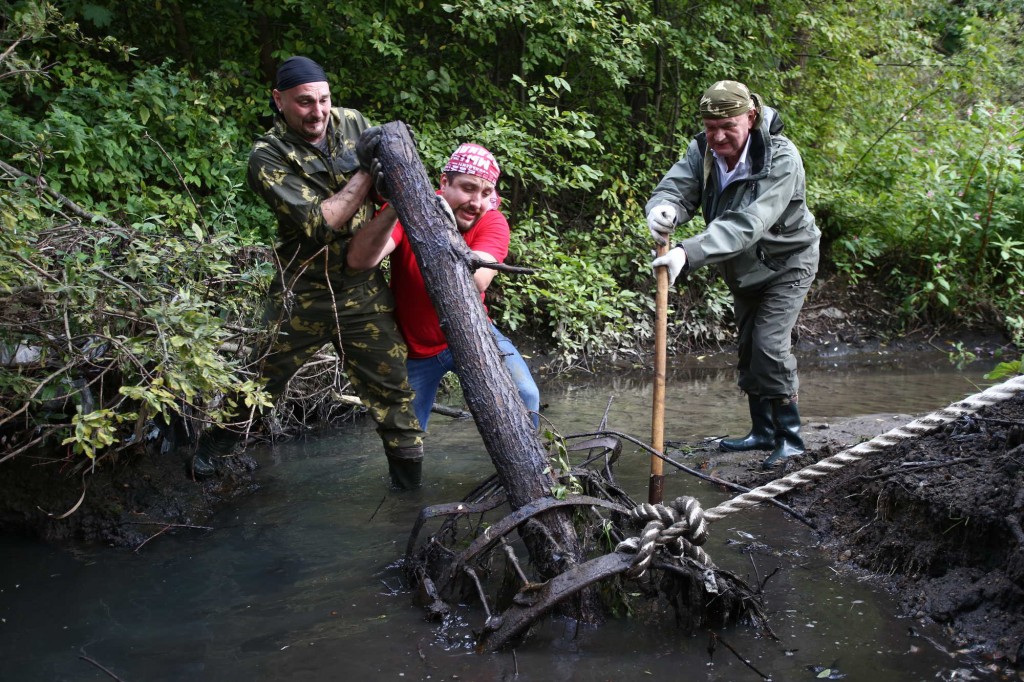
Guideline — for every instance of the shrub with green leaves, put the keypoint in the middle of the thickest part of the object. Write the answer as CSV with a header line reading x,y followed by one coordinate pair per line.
x,y
572,298
117,316
127,223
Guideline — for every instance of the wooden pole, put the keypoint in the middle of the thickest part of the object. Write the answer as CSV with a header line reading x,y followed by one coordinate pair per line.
x,y
656,488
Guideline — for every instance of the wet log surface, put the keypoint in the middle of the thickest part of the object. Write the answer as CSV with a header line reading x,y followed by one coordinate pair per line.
x,y
504,424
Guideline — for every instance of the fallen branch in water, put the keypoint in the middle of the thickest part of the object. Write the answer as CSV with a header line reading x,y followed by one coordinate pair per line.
x,y
166,527
100,666
716,638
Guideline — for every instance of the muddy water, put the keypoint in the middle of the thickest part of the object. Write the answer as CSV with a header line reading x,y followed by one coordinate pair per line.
x,y
299,580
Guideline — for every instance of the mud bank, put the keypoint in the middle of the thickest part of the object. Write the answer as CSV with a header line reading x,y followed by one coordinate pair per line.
x,y
937,520
122,504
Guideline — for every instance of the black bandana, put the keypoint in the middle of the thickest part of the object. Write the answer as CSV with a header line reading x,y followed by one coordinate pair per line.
x,y
298,71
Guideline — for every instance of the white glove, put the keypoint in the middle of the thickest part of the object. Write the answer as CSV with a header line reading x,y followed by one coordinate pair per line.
x,y
674,260
661,221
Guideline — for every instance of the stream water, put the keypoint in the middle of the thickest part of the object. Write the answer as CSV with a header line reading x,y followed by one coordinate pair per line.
x,y
300,579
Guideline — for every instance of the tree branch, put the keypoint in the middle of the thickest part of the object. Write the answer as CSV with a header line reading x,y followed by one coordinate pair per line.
x,y
476,263
63,200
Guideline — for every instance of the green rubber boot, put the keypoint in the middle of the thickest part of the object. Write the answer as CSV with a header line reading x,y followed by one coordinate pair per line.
x,y
762,430
788,442
405,467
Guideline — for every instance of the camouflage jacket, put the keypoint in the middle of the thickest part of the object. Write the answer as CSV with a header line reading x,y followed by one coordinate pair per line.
x,y
759,229
294,178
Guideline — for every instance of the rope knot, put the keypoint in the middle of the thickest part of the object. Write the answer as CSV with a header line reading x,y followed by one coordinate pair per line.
x,y
679,528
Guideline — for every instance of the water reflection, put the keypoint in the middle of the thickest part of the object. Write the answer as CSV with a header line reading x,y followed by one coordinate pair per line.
x,y
298,581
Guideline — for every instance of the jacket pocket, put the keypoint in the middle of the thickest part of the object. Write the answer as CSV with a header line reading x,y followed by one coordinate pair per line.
x,y
772,264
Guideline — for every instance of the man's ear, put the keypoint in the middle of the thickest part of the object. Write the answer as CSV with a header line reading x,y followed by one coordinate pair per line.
x,y
276,94
444,180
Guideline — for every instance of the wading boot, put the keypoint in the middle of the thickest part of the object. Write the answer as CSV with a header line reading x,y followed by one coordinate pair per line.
x,y
405,466
213,444
762,431
788,442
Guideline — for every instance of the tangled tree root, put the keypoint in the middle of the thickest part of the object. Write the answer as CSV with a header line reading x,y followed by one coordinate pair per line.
x,y
651,550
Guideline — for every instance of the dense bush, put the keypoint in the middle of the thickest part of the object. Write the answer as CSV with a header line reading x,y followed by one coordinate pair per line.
x,y
125,129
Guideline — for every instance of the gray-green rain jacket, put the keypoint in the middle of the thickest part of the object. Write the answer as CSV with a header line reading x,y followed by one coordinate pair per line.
x,y
759,229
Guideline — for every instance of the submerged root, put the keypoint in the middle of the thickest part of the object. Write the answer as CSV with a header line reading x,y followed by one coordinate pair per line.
x,y
633,551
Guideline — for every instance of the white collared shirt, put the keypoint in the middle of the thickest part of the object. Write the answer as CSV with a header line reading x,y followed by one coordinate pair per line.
x,y
740,171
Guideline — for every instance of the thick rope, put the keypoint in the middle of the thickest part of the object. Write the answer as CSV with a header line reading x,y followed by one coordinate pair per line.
x,y
678,527
918,427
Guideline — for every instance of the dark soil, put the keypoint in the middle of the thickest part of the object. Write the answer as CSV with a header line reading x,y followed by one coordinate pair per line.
x,y
121,503
940,518
935,519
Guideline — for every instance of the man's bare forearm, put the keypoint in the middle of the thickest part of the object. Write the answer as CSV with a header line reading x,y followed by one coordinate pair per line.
x,y
340,207
372,241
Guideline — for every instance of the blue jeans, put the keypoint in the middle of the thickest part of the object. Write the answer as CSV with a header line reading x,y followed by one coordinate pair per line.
x,y
425,376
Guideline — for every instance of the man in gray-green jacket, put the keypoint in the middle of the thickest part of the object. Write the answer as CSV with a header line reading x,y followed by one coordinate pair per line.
x,y
747,179
308,169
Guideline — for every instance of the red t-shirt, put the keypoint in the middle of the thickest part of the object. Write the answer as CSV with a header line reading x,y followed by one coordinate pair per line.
x,y
414,311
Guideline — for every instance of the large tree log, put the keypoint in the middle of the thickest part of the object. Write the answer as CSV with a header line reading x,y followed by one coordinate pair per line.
x,y
502,419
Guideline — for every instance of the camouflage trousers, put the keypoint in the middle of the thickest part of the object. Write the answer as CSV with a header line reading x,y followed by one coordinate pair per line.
x,y
358,320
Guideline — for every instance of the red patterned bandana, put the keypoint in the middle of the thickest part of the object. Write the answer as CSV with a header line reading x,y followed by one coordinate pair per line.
x,y
475,160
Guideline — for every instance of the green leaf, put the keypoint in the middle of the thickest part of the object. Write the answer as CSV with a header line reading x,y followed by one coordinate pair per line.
x,y
99,16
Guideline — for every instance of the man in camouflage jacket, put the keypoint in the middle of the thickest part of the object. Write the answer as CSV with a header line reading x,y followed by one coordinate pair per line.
x,y
747,179
307,170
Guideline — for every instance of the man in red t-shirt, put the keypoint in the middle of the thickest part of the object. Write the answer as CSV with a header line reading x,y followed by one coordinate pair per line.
x,y
468,186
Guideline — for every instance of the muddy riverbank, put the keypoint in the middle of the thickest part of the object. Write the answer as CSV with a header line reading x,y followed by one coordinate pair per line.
x,y
935,519
939,520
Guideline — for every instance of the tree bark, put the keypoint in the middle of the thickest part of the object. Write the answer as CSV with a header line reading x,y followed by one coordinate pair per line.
x,y
502,419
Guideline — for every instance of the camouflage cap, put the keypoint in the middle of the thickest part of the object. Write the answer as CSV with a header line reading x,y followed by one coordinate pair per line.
x,y
726,99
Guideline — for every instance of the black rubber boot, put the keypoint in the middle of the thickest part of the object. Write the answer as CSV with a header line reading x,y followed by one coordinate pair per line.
x,y
788,442
762,431
214,443
405,466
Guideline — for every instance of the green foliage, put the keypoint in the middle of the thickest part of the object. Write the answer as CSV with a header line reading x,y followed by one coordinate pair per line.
x,y
918,180
156,147
560,468
946,229
961,356
126,221
112,325
1005,370
95,430
127,324
573,295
